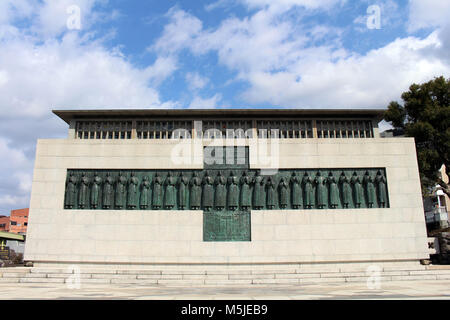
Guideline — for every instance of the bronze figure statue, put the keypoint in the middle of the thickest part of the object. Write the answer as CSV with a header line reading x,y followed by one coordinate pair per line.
x,y
208,192
71,191
220,195
133,186
258,191
296,191
196,192
120,190
309,191
170,192
157,196
245,191
183,183
95,191
108,192
145,189
233,192
83,195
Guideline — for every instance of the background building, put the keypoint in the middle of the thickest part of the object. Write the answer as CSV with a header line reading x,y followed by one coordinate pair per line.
x,y
4,223
437,205
19,221
16,222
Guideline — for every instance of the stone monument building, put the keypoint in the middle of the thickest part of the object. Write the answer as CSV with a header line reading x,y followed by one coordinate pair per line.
x,y
225,187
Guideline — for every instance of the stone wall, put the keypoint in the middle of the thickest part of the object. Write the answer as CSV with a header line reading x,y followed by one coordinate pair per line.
x,y
280,236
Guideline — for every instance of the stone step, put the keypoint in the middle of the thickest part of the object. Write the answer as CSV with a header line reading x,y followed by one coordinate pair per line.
x,y
188,282
225,276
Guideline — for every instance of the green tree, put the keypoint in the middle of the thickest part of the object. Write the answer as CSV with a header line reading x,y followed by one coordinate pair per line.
x,y
425,115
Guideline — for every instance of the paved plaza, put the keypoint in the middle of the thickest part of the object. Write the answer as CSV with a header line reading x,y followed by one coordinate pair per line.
x,y
348,291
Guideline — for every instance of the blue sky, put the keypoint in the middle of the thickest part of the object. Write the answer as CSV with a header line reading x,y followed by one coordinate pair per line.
x,y
202,54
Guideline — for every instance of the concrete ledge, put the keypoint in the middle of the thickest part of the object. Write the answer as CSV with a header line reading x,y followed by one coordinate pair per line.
x,y
9,280
181,282
88,281
275,281
40,280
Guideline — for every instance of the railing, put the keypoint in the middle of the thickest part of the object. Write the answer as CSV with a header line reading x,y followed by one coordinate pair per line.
x,y
436,215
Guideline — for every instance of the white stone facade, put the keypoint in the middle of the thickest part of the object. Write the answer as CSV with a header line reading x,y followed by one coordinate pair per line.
x,y
397,233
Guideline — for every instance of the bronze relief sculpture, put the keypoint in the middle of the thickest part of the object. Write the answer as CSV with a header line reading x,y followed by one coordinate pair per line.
x,y
225,190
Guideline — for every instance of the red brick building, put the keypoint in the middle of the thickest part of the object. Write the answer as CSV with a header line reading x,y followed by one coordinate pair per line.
x,y
4,223
17,222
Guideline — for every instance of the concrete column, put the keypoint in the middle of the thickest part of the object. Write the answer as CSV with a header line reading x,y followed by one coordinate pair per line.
x,y
376,130
133,130
314,127
72,130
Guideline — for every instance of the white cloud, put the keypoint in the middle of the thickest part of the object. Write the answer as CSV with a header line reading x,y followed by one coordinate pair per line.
x,y
390,15
45,66
283,67
15,175
200,103
276,6
287,4
15,9
257,43
71,73
196,81
181,30
429,13
163,68
372,80
219,4
3,77
9,201
53,15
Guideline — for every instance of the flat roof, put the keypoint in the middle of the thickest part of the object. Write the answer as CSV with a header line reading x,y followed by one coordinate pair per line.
x,y
187,114
11,236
